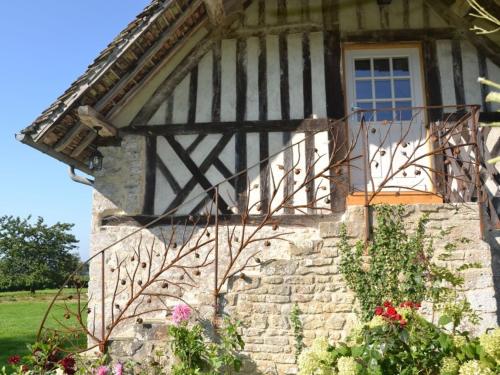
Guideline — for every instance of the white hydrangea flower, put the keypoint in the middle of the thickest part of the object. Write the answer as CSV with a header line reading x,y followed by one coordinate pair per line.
x,y
347,366
459,340
474,368
310,359
491,343
449,366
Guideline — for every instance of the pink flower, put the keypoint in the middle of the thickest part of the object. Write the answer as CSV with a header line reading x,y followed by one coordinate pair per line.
x,y
118,369
103,370
181,314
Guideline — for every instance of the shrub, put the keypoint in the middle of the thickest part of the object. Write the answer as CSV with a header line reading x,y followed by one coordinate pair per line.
x,y
398,340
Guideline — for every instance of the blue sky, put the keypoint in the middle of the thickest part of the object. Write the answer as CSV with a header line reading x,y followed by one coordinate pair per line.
x,y
46,45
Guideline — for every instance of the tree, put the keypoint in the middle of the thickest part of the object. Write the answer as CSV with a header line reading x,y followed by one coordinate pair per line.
x,y
34,255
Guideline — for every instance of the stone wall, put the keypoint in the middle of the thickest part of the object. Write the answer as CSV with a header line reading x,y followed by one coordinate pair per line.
x,y
303,270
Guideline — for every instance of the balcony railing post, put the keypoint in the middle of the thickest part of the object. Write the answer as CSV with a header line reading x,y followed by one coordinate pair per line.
x,y
477,169
366,165
103,296
216,263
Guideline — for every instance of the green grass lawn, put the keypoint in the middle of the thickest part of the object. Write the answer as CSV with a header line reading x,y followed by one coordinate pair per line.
x,y
20,316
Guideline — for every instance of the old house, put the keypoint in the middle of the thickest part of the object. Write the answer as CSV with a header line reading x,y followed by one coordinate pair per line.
x,y
228,140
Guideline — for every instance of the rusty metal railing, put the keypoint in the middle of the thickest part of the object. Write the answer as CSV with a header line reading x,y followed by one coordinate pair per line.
x,y
394,151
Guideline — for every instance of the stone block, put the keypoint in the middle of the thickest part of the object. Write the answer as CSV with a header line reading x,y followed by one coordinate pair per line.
x,y
272,280
304,248
277,299
316,262
280,268
482,300
280,290
302,280
279,321
301,298
478,278
335,322
303,289
276,340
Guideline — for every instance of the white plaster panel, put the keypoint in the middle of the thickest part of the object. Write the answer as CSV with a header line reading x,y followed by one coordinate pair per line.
x,y
293,11
316,11
253,158
396,11
493,75
318,74
322,185
295,76
204,95
253,51
160,116
181,101
416,14
347,15
371,15
195,197
163,194
252,14
276,164
172,161
204,148
228,80
227,155
186,140
271,12
299,162
446,71
470,73
273,78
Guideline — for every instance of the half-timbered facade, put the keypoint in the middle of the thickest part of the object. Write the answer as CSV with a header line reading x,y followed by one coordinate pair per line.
x,y
197,94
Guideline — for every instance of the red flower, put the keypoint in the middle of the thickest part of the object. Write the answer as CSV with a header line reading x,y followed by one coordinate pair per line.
x,y
25,368
14,360
387,304
379,310
68,363
403,322
391,311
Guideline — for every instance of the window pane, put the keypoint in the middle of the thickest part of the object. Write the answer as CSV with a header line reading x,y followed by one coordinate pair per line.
x,y
406,114
381,67
362,68
383,115
383,89
402,88
363,89
368,115
400,66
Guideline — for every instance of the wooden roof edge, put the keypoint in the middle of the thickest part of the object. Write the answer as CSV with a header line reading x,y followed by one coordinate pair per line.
x,y
102,63
27,140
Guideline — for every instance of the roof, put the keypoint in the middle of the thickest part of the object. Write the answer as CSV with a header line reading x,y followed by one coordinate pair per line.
x,y
118,69
128,61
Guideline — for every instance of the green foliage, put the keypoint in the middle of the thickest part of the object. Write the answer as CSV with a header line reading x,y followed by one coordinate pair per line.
x,y
297,329
398,267
35,255
395,265
385,346
196,356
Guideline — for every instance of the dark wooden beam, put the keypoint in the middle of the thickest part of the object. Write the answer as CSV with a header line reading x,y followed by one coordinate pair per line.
x,y
304,125
150,176
490,49
397,35
95,121
281,220
86,142
66,140
489,117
